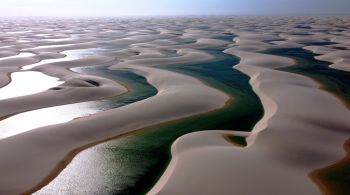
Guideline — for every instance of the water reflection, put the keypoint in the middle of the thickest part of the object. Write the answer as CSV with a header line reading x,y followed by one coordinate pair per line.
x,y
88,172
53,46
20,55
38,118
31,82
129,164
27,121
70,55
70,38
26,83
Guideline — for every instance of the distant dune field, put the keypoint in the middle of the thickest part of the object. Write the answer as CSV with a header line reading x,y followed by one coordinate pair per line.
x,y
175,105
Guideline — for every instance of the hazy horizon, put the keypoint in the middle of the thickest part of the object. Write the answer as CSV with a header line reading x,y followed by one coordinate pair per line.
x,y
112,8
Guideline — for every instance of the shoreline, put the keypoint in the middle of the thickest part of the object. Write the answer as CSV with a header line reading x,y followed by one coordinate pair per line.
x,y
70,156
165,81
295,125
51,98
271,137
228,103
318,175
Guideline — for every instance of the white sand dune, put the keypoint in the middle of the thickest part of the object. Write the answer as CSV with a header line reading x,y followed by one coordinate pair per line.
x,y
62,69
11,65
186,56
340,59
60,48
19,84
75,89
175,95
8,53
296,136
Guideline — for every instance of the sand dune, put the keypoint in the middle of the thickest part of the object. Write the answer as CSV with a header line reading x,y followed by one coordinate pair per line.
x,y
340,59
186,56
186,102
11,65
303,127
296,136
75,89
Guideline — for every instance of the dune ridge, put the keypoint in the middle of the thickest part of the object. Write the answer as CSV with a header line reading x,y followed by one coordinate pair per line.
x,y
295,137
110,123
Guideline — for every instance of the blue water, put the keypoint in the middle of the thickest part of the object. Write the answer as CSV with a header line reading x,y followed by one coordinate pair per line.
x,y
335,81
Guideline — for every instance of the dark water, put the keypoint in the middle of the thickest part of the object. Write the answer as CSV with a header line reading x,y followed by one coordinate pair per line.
x,y
146,154
334,81
225,37
338,83
87,175
302,26
140,88
323,43
132,164
28,121
140,159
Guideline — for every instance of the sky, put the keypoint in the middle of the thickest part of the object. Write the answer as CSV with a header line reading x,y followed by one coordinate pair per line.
x,y
94,8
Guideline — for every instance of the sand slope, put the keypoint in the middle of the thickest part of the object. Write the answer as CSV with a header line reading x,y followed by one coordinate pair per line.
x,y
296,136
303,128
110,123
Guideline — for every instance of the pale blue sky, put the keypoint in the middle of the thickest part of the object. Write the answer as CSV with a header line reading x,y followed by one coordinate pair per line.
x,y
172,7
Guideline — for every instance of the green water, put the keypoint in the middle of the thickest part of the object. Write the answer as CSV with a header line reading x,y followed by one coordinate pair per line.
x,y
140,159
334,81
90,174
132,164
139,88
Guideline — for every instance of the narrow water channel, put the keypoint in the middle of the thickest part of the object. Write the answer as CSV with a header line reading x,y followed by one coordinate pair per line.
x,y
334,81
132,164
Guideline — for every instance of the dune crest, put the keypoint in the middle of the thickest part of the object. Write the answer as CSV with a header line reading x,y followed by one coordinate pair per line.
x,y
296,136
303,129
